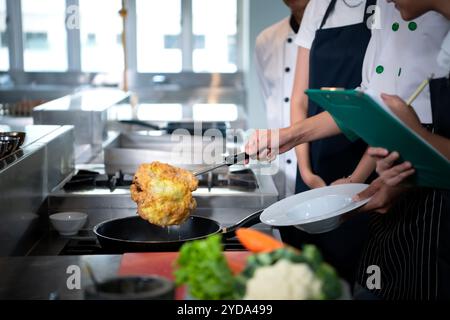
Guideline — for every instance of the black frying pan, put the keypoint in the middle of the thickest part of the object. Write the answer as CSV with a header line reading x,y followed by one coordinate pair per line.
x,y
133,234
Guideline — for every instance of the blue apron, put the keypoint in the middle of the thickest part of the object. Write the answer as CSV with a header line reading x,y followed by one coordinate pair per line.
x,y
336,60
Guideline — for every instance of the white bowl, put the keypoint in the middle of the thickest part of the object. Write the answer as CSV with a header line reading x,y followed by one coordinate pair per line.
x,y
315,211
326,205
68,223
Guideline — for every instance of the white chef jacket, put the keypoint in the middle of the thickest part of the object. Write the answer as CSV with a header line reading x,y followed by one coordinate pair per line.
x,y
275,58
403,53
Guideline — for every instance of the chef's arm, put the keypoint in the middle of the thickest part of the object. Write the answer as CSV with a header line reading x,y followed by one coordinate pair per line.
x,y
364,169
264,144
323,126
311,129
441,143
299,112
409,117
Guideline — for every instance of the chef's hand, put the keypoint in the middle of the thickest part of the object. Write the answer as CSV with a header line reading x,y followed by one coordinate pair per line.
x,y
390,174
344,180
403,111
314,181
383,196
268,144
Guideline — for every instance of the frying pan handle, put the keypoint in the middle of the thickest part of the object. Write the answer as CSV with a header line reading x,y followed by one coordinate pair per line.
x,y
249,221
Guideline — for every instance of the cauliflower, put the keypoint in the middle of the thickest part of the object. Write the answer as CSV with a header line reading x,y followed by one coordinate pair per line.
x,y
284,281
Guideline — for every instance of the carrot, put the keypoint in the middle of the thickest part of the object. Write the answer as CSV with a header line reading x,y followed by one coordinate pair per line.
x,y
256,241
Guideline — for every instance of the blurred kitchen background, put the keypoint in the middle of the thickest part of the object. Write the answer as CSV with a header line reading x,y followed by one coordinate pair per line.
x,y
98,86
177,51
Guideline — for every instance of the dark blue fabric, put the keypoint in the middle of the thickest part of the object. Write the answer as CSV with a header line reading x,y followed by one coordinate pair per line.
x,y
440,101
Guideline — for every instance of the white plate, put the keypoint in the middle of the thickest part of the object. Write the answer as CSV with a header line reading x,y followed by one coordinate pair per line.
x,y
317,205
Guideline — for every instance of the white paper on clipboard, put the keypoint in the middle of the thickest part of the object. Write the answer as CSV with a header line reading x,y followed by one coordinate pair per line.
x,y
376,96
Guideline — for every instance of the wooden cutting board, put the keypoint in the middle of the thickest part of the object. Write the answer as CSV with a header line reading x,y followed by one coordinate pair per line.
x,y
162,264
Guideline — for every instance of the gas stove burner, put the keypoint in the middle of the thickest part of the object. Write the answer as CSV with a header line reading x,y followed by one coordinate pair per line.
x,y
85,180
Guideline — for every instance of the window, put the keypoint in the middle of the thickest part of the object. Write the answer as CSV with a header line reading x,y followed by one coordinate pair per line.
x,y
215,34
44,35
36,40
4,54
3,39
172,42
167,36
159,36
91,40
101,28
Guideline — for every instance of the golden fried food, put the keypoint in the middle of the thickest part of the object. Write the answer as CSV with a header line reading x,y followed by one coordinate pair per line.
x,y
163,193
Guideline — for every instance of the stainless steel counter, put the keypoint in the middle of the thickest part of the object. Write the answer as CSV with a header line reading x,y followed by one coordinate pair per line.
x,y
87,111
57,145
43,92
26,178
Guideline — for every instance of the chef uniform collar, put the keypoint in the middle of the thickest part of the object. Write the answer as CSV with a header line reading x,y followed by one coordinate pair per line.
x,y
295,26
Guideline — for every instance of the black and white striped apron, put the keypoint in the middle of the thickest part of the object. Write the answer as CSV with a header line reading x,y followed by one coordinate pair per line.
x,y
411,243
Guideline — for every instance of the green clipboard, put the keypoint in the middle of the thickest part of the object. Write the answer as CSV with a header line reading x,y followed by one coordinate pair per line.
x,y
360,113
